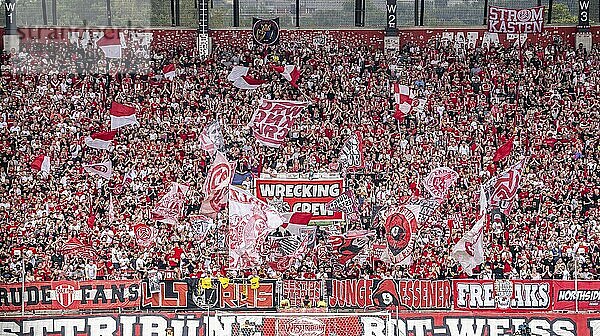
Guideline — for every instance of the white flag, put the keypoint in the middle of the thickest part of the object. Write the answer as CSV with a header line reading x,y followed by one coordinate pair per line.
x,y
102,169
469,249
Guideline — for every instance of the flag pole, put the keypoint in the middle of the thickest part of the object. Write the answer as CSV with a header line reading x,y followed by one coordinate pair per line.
x,y
22,283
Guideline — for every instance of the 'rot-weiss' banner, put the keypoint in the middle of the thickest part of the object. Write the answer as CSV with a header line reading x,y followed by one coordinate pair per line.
x,y
63,295
273,120
303,195
516,21
588,295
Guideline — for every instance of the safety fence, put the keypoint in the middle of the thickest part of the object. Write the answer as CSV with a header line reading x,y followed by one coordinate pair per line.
x,y
308,14
352,295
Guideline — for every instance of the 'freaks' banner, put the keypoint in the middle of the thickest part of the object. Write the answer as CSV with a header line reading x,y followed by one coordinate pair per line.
x,y
63,295
413,324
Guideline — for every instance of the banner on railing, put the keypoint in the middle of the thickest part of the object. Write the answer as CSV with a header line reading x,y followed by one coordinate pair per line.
x,y
515,21
502,295
67,295
195,324
303,195
188,295
587,295
389,294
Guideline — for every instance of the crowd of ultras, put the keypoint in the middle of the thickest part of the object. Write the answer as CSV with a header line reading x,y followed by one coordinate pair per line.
x,y
53,95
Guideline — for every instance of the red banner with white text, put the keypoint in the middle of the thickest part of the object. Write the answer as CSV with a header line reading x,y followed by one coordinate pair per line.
x,y
67,295
587,298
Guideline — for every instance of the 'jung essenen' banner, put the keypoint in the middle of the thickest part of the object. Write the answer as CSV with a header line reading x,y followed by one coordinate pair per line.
x,y
516,21
303,195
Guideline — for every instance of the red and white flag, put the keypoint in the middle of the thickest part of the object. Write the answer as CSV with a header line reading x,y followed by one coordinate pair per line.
x,y
241,80
110,45
345,203
170,207
211,138
101,140
250,221
504,150
348,245
352,153
216,185
400,224
169,71
41,163
503,189
273,120
75,247
127,179
439,181
145,236
469,249
406,101
102,169
122,115
289,72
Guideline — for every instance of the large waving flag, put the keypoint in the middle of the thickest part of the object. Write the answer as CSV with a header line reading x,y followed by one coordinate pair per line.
x,y
101,140
122,115
352,153
170,207
102,169
406,101
41,163
273,119
439,181
169,71
345,203
250,221
218,179
401,225
76,248
348,245
110,45
241,80
469,249
289,72
211,138
503,189
504,150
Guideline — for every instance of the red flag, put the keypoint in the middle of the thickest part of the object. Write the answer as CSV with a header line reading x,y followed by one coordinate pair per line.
x,y
41,163
75,247
289,72
504,150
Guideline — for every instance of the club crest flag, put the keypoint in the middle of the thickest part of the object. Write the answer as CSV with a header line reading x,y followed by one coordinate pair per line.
x,y
504,188
439,181
400,224
265,31
351,156
170,207
469,249
250,221
219,176
345,203
273,120
102,169
145,235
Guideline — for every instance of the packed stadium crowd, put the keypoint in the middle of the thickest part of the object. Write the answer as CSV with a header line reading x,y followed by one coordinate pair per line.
x,y
53,96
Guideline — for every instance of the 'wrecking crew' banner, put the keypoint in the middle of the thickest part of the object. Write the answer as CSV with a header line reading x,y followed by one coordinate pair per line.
x,y
303,195
515,21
